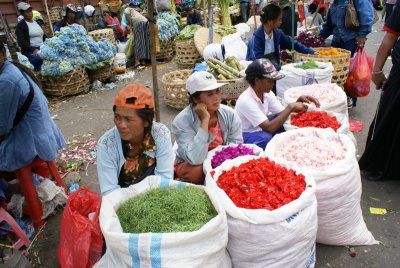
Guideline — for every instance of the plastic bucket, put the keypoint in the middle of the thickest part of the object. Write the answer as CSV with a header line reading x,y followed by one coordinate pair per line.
x,y
120,63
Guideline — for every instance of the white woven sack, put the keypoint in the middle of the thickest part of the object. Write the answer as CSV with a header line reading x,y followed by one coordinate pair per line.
x,y
207,162
340,220
205,247
284,237
295,77
337,106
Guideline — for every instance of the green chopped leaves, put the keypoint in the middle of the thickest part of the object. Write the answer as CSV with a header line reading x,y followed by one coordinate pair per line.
x,y
308,65
165,210
188,32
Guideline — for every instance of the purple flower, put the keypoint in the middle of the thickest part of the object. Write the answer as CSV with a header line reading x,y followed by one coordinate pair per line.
x,y
230,152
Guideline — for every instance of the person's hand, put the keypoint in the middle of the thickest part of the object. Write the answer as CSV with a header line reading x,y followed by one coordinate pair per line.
x,y
298,107
201,111
308,99
35,51
360,41
378,78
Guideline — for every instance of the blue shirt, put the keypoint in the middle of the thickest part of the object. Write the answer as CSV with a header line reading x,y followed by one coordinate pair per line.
x,y
335,23
110,156
193,141
36,134
195,19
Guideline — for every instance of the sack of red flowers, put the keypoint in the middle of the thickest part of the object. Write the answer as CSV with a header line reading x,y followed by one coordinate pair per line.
x,y
271,210
220,154
330,158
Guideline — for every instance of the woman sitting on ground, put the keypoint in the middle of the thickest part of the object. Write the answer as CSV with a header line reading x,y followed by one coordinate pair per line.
x,y
136,147
202,126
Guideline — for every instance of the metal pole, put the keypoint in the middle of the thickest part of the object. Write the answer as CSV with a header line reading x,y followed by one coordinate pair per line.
x,y
150,10
210,22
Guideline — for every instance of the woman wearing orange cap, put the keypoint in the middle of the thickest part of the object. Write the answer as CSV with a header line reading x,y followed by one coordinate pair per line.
x,y
136,147
202,126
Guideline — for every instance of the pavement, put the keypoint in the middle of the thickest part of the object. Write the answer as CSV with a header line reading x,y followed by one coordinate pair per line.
x,y
92,114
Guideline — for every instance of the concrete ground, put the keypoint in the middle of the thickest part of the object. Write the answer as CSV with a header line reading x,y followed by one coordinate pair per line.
x,y
92,114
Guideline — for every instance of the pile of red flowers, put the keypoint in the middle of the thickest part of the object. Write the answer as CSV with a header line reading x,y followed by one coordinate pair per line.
x,y
315,119
261,184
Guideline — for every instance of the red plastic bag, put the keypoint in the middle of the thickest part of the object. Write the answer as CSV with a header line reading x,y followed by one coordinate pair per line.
x,y
81,240
358,82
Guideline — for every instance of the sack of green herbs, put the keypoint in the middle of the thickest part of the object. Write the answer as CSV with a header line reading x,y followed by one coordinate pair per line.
x,y
303,73
163,223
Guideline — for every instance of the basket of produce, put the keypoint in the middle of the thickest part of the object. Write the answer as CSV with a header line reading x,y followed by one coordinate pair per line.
x,y
166,52
72,83
55,13
201,39
340,59
173,85
228,72
101,71
167,30
186,53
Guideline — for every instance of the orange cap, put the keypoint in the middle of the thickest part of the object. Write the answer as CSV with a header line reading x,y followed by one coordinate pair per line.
x,y
134,96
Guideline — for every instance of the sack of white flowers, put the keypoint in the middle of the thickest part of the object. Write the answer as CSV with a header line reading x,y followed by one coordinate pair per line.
x,y
272,212
331,96
163,223
220,154
330,158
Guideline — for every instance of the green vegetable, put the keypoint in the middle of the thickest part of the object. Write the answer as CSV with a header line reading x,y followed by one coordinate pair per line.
x,y
188,32
226,67
166,210
307,65
225,15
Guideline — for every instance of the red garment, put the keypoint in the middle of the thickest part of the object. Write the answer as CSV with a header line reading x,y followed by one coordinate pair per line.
x,y
217,132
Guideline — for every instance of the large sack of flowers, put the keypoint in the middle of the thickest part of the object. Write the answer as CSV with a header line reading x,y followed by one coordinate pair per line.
x,y
331,96
220,154
163,223
271,210
330,158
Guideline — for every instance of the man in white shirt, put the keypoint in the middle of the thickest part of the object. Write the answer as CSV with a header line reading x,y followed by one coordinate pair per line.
x,y
261,113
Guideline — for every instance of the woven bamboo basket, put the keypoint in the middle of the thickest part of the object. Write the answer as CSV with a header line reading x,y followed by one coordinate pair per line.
x,y
72,83
166,52
233,88
340,63
173,85
55,13
101,74
186,54
97,35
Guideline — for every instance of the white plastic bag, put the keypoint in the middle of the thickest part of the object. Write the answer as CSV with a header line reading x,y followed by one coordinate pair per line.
x,y
205,247
295,77
234,46
340,220
207,162
284,237
337,103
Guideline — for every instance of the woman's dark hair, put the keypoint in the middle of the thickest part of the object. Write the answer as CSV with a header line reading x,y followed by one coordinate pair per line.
x,y
312,8
251,79
21,67
194,96
321,10
270,12
146,114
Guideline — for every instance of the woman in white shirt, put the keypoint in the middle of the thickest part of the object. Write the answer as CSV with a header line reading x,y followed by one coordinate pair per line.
x,y
30,35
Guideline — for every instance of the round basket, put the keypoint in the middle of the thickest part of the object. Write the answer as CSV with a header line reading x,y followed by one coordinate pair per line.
x,y
186,54
341,63
97,35
72,83
166,52
101,74
55,13
201,39
233,88
173,84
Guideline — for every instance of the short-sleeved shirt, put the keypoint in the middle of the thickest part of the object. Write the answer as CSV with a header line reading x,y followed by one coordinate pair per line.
x,y
252,111
35,34
393,26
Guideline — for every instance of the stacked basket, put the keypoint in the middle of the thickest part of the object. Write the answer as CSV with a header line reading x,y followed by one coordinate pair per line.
x,y
97,35
341,63
167,50
173,84
55,13
233,89
101,74
72,83
186,54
